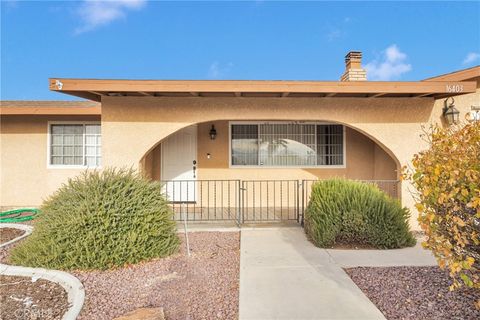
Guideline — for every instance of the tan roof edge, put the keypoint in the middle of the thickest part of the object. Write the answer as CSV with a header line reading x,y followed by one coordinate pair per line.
x,y
93,89
460,75
87,111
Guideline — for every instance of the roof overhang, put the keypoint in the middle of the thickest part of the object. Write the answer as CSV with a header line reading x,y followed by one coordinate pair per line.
x,y
94,89
66,108
469,74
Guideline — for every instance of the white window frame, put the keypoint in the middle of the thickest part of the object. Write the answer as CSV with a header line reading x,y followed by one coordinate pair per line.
x,y
230,165
49,142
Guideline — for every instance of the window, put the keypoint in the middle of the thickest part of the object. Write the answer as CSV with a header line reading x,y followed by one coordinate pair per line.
x,y
75,145
287,144
245,145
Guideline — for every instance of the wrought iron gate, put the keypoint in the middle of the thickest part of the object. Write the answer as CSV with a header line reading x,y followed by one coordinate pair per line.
x,y
246,201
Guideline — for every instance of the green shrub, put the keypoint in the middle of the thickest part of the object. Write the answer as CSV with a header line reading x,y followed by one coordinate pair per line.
x,y
100,220
356,213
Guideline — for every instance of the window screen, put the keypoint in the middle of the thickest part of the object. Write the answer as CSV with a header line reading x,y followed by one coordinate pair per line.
x,y
75,144
287,144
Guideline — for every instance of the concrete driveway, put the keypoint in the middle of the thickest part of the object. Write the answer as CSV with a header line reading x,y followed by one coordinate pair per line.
x,y
283,276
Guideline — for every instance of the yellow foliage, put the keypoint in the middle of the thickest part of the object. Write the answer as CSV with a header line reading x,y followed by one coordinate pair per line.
x,y
447,179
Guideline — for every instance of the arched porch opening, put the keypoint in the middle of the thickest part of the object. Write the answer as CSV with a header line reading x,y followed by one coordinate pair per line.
x,y
364,157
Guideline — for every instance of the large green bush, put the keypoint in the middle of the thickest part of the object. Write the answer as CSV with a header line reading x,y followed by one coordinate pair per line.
x,y
353,212
100,220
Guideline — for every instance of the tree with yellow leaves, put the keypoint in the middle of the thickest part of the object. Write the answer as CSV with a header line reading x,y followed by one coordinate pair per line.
x,y
447,179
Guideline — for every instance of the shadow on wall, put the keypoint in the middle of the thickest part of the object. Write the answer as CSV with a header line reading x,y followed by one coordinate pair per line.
x,y
203,109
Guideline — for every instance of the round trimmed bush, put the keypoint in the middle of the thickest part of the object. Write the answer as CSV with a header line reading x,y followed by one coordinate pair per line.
x,y
100,220
352,212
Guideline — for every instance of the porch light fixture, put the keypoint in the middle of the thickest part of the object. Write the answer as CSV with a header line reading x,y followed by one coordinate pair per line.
x,y
213,133
450,113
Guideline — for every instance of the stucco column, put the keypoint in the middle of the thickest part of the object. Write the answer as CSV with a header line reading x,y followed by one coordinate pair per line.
x,y
402,141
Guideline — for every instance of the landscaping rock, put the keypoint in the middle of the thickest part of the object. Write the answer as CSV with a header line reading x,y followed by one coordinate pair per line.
x,y
415,293
202,286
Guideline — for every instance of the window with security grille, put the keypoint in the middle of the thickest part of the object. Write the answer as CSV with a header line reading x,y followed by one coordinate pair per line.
x,y
75,145
287,145
244,140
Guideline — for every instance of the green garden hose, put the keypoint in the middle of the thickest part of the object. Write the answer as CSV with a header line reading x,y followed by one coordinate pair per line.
x,y
18,215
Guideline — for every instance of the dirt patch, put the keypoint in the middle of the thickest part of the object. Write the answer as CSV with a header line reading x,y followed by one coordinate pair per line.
x,y
5,251
203,286
415,293
20,298
7,234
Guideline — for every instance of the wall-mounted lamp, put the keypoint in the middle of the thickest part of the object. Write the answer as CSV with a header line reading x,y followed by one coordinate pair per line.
x,y
209,156
213,133
450,113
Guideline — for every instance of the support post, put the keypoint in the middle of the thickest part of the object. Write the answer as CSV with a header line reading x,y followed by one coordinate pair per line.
x,y
185,228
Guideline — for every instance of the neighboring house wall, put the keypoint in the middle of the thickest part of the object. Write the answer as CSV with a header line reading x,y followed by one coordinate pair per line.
x,y
24,178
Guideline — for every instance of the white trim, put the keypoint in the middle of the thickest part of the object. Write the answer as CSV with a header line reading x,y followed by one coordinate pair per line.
x,y
230,165
73,166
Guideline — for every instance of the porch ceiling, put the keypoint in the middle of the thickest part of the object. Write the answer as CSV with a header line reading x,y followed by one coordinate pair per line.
x,y
94,89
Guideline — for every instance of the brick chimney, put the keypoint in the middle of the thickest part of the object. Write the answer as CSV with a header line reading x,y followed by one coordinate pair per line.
x,y
353,67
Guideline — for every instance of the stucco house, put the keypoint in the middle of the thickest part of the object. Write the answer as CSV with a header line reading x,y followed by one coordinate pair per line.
x,y
230,150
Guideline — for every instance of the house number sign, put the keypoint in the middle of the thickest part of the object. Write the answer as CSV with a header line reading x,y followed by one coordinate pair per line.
x,y
454,88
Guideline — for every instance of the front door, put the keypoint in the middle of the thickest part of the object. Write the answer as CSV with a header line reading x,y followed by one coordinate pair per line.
x,y
179,153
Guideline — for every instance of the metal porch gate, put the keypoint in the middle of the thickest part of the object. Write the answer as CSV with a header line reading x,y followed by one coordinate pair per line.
x,y
246,201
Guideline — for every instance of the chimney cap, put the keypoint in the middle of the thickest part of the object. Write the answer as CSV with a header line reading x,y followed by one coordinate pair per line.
x,y
353,55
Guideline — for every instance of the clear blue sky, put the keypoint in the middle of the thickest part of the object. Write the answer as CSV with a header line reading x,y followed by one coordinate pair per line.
x,y
229,40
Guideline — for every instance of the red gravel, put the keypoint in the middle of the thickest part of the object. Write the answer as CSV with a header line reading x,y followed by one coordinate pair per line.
x,y
415,293
203,286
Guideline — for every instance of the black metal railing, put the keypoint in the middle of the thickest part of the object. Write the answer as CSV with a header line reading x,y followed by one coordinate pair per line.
x,y
246,201
204,200
270,200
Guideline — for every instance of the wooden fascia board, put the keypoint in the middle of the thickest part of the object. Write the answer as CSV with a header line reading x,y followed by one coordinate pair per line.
x,y
82,87
87,111
461,75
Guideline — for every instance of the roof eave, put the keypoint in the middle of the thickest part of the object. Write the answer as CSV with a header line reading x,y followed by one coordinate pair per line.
x,y
94,89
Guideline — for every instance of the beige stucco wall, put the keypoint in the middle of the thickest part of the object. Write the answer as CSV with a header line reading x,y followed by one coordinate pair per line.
x,y
24,177
395,124
133,126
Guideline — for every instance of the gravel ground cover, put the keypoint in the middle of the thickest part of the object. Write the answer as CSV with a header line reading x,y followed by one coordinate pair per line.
x,y
203,286
5,251
7,234
20,298
415,293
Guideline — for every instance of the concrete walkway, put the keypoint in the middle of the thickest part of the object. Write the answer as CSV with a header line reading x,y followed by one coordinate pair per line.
x,y
415,256
283,276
